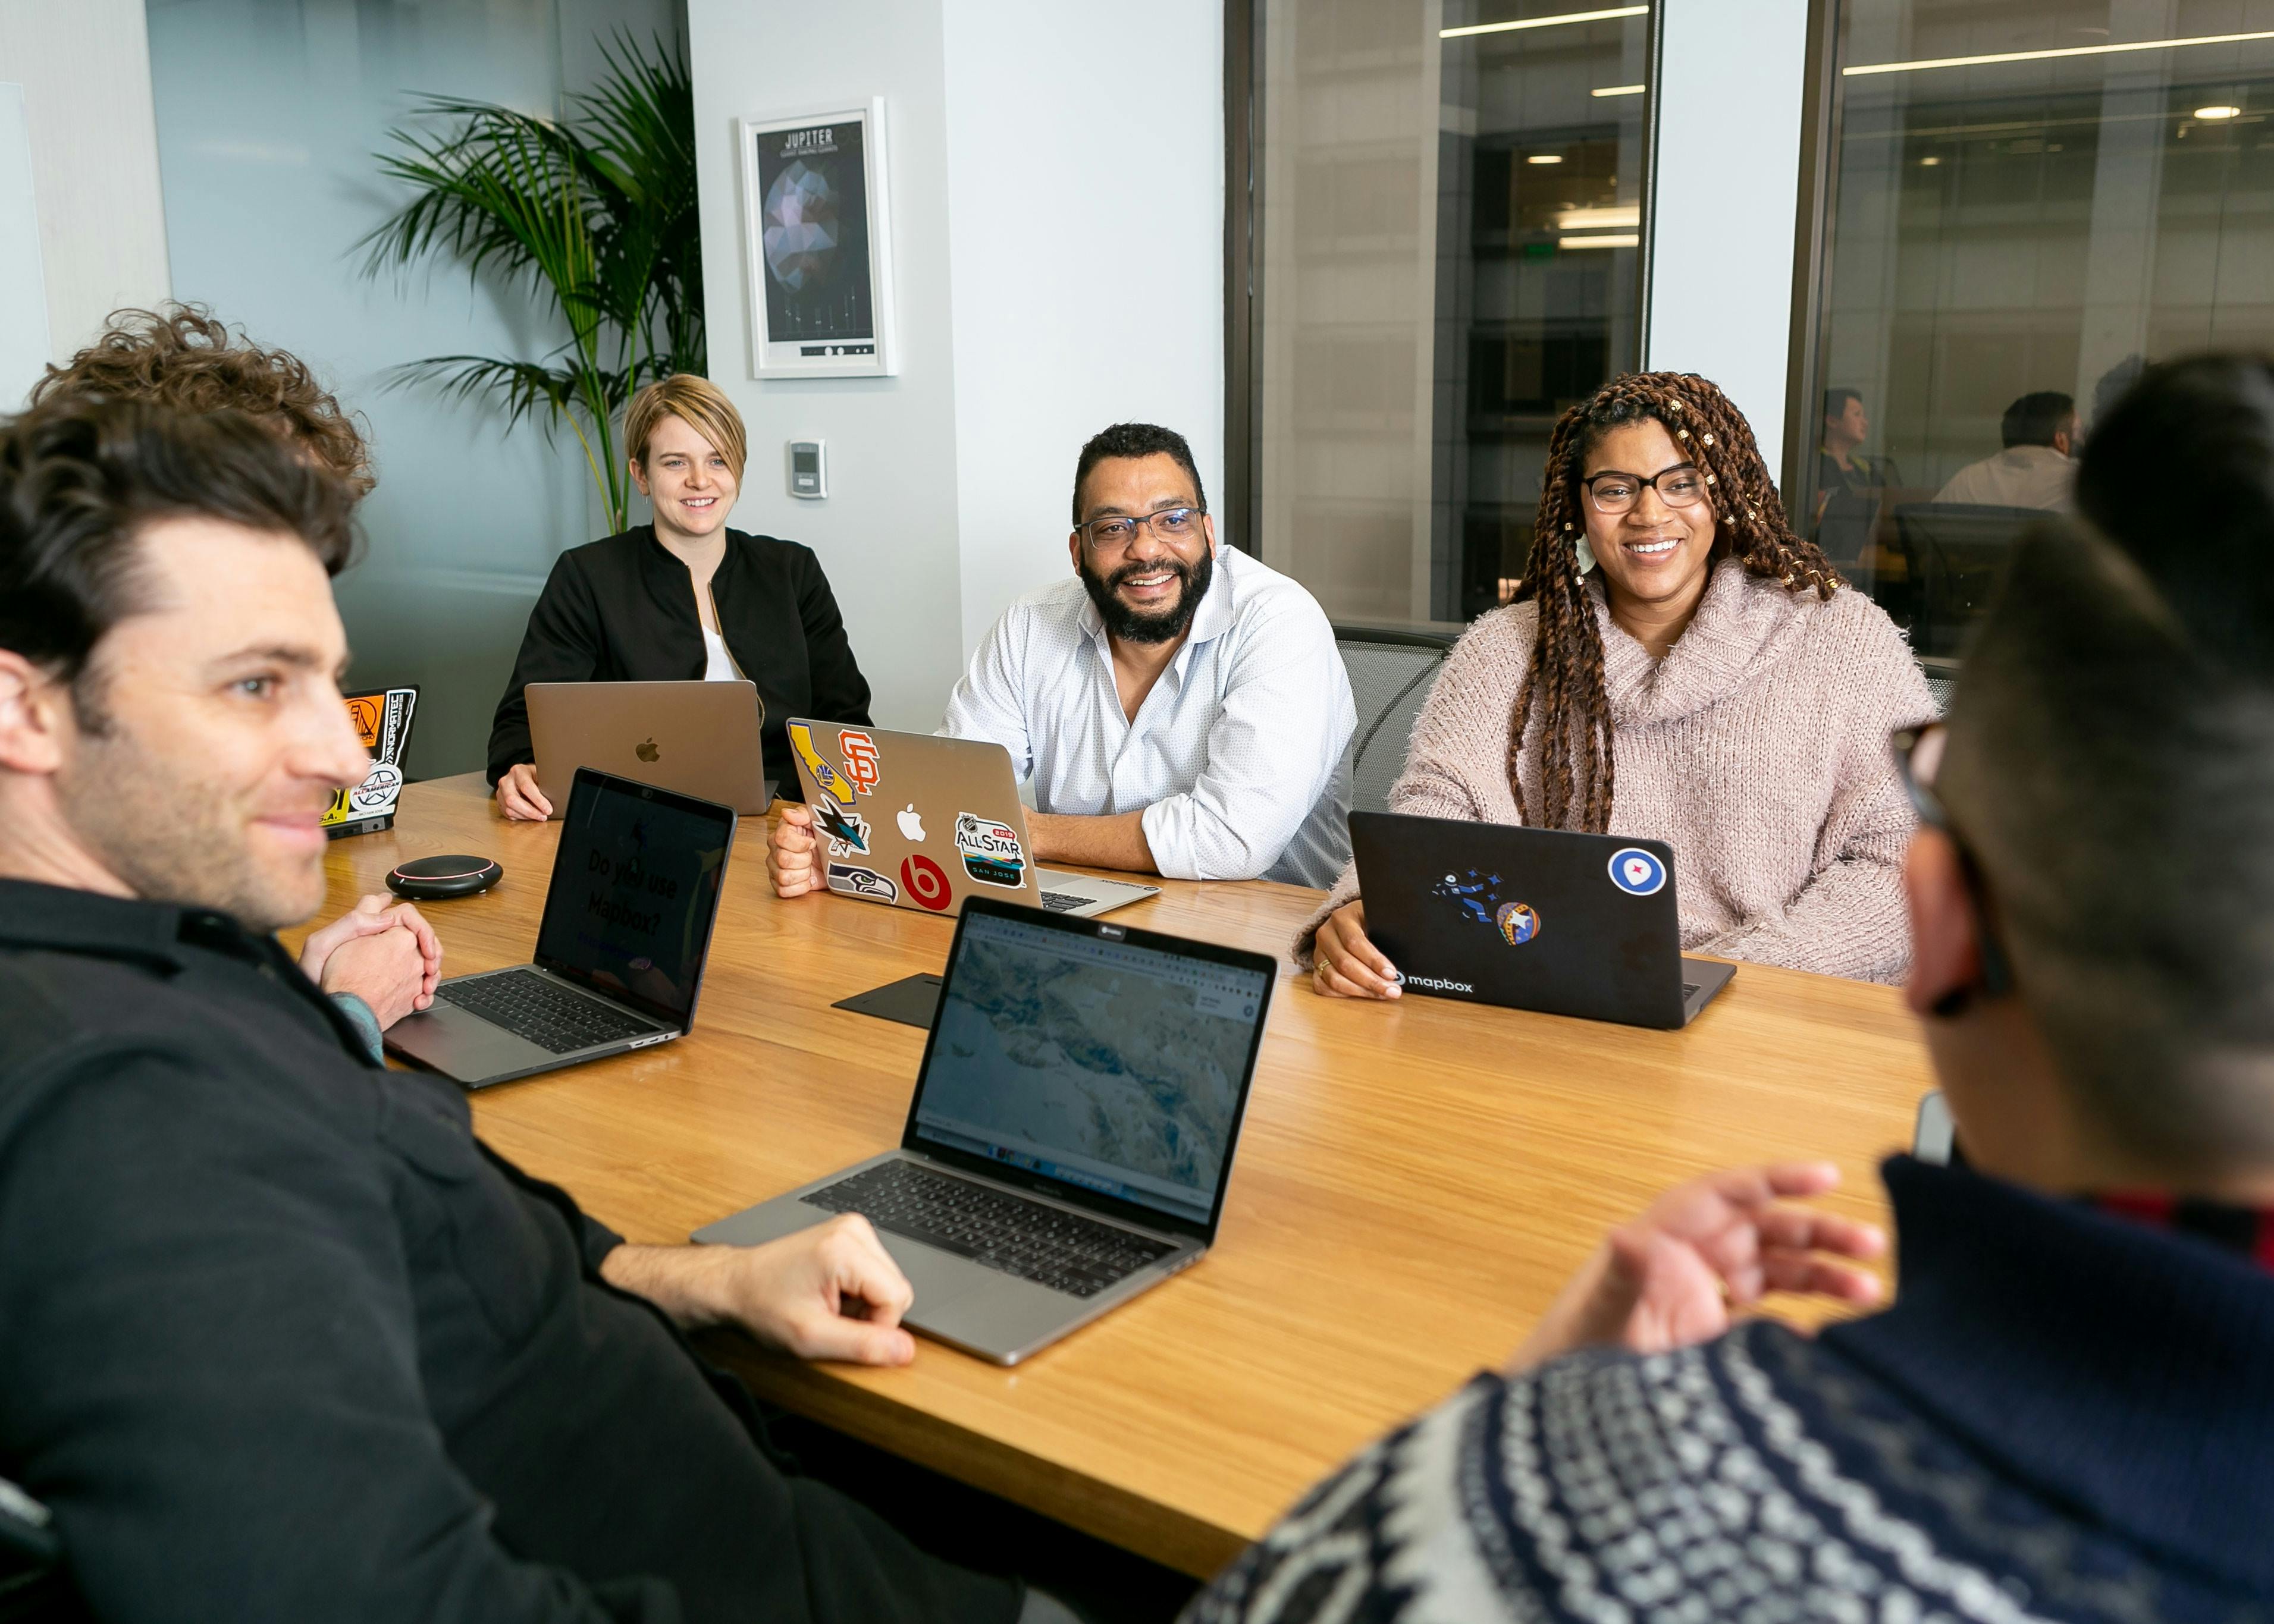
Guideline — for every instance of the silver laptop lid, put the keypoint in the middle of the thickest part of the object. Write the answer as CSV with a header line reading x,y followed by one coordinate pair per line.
x,y
1099,1064
635,892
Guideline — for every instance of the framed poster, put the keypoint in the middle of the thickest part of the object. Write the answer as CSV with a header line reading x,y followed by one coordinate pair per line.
x,y
817,244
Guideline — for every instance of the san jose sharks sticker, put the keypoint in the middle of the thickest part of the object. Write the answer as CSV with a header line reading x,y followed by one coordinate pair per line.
x,y
1637,872
847,830
990,851
847,880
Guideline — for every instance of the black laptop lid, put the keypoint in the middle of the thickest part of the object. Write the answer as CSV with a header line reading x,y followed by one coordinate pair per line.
x,y
635,892
1539,918
1100,1064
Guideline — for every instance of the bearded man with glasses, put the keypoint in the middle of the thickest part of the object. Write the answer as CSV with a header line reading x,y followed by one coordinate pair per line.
x,y
1181,708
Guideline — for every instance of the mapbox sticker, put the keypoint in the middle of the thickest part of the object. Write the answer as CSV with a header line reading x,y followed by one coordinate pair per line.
x,y
847,830
927,885
848,880
1637,872
991,853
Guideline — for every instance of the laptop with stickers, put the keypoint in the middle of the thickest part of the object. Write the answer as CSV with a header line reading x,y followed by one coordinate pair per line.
x,y
1535,918
922,822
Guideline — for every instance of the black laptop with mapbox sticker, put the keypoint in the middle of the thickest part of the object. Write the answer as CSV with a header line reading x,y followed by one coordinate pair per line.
x,y
1535,919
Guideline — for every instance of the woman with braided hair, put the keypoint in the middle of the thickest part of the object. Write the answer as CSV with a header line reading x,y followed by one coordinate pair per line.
x,y
1679,667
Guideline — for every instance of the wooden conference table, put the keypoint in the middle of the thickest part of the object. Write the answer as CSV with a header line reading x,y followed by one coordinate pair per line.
x,y
1413,1184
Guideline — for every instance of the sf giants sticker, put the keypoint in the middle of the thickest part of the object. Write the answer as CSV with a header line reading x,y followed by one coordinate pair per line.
x,y
927,886
847,830
861,765
1637,872
991,853
826,779
849,881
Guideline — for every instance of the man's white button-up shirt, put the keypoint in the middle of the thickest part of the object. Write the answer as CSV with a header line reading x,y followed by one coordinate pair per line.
x,y
1237,754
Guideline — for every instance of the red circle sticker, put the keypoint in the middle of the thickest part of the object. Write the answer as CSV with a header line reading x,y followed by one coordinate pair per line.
x,y
925,882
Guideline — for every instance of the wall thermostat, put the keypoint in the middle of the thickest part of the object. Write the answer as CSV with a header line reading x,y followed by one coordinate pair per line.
x,y
808,468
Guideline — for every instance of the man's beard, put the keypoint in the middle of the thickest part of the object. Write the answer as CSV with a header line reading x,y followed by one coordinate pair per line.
x,y
171,837
1160,626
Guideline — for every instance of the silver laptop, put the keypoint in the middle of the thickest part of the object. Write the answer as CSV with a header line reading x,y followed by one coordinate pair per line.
x,y
1072,1132
699,738
922,822
619,954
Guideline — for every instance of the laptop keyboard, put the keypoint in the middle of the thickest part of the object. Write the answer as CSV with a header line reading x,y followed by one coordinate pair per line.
x,y
553,1017
1046,1245
1061,901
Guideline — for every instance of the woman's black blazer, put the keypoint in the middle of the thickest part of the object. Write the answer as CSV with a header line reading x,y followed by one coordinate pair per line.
x,y
624,611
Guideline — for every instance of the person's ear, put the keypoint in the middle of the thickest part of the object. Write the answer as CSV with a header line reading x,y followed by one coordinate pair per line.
x,y
1208,529
1074,549
1946,954
34,720
639,475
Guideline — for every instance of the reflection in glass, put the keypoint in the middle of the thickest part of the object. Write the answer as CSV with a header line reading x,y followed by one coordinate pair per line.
x,y
2010,240
1451,231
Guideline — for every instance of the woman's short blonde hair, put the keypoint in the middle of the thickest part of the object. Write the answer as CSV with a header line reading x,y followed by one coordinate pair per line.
x,y
703,405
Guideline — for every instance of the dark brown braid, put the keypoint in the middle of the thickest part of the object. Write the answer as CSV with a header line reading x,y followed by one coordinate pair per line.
x,y
1564,688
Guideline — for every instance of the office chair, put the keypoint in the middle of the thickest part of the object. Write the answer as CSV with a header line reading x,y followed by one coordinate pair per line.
x,y
1956,552
33,1586
1390,675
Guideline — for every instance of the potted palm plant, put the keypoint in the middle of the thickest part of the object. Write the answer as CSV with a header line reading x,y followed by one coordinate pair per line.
x,y
595,213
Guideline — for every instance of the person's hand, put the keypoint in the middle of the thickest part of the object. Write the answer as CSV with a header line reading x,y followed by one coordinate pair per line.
x,y
1671,1278
1345,965
790,852
830,1292
518,796
372,917
387,971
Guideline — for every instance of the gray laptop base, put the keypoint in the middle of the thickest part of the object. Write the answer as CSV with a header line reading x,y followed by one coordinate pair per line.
x,y
468,1048
996,1316
1532,918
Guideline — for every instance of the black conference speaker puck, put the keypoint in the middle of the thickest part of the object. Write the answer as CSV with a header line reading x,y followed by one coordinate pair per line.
x,y
438,879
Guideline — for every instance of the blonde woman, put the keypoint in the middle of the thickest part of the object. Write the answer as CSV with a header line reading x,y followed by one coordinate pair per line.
x,y
683,598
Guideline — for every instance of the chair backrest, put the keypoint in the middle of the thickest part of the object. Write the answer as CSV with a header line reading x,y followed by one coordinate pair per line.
x,y
1956,552
1391,673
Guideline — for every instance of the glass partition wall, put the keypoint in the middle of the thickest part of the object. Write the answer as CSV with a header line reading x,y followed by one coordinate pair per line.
x,y
2028,199
1451,249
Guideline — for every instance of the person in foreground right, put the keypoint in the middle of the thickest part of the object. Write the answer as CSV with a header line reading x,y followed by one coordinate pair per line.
x,y
2066,1414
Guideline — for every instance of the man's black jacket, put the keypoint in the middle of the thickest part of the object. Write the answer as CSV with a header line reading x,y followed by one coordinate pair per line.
x,y
622,610
279,1341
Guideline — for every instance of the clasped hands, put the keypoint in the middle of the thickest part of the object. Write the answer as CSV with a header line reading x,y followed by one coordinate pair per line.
x,y
382,952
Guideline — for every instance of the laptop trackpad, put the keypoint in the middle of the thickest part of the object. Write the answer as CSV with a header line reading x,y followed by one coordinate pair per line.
x,y
938,1277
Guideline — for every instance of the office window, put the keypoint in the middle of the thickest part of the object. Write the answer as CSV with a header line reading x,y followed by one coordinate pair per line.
x,y
2027,199
1451,220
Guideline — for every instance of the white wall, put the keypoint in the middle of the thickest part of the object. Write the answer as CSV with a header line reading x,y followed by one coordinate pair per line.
x,y
1017,136
1086,249
85,67
23,286
1729,107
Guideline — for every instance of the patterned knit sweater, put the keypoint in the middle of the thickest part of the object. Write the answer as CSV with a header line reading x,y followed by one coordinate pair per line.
x,y
2066,1416
1757,748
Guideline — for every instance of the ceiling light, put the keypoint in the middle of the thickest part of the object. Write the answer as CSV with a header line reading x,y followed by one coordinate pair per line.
x,y
1598,219
1598,241
2045,55
1544,22
1928,163
1619,90
2222,110
1545,158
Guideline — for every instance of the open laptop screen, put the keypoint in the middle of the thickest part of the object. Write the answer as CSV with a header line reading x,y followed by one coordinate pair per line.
x,y
1103,1065
635,891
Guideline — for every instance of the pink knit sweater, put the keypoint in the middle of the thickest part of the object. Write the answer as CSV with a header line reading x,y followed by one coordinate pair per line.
x,y
1757,748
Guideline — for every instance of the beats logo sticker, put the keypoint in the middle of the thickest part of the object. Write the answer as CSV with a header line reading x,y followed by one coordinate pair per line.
x,y
924,881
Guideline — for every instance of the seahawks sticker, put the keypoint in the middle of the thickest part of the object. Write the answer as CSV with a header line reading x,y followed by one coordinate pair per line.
x,y
852,880
1637,872
990,851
